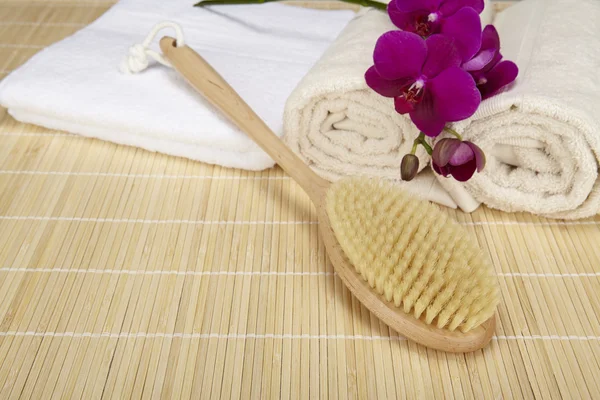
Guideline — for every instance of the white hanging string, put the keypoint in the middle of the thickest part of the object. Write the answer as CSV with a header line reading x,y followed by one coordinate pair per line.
x,y
138,56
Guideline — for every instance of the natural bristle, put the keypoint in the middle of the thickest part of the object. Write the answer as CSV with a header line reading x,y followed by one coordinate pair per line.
x,y
412,254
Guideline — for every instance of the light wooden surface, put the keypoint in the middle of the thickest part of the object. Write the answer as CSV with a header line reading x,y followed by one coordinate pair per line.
x,y
125,273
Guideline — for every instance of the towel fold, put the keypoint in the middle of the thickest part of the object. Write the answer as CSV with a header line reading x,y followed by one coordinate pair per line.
x,y
341,127
542,136
261,50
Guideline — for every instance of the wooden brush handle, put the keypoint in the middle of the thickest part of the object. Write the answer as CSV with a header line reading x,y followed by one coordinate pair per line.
x,y
215,89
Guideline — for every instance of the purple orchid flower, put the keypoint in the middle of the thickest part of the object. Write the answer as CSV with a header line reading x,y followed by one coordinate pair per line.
x,y
457,158
487,68
456,18
424,78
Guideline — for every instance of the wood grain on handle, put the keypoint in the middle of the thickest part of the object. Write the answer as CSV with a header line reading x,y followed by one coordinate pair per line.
x,y
215,89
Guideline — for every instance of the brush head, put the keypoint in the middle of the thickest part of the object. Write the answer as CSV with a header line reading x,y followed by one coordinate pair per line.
x,y
412,254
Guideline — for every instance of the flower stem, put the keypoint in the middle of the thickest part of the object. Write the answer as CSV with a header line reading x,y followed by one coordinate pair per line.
x,y
421,140
428,148
453,133
414,148
364,3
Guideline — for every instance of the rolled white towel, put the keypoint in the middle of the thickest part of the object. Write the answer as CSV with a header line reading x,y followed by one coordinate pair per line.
x,y
542,136
337,124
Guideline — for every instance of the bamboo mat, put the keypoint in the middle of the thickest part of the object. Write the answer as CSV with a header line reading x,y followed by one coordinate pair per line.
x,y
128,274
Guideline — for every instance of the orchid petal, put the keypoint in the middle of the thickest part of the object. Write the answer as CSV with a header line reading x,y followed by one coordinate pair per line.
x,y
455,95
443,150
450,7
425,117
462,155
385,87
415,5
481,59
404,21
497,58
441,54
399,55
465,28
501,75
440,170
402,106
490,38
463,173
479,156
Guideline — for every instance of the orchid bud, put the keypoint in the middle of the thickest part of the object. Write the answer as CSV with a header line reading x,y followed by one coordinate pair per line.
x,y
409,167
457,158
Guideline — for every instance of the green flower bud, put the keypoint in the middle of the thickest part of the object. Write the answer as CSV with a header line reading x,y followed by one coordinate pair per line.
x,y
409,167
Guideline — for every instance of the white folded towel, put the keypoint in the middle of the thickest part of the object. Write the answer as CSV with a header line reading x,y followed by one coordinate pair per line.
x,y
341,127
542,136
262,51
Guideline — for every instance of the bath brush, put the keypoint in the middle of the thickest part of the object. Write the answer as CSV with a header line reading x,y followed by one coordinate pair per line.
x,y
404,259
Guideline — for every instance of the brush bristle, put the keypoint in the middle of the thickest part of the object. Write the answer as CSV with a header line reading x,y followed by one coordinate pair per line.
x,y
412,254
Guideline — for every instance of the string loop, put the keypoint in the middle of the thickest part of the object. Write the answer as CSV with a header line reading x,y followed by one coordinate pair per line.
x,y
138,56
